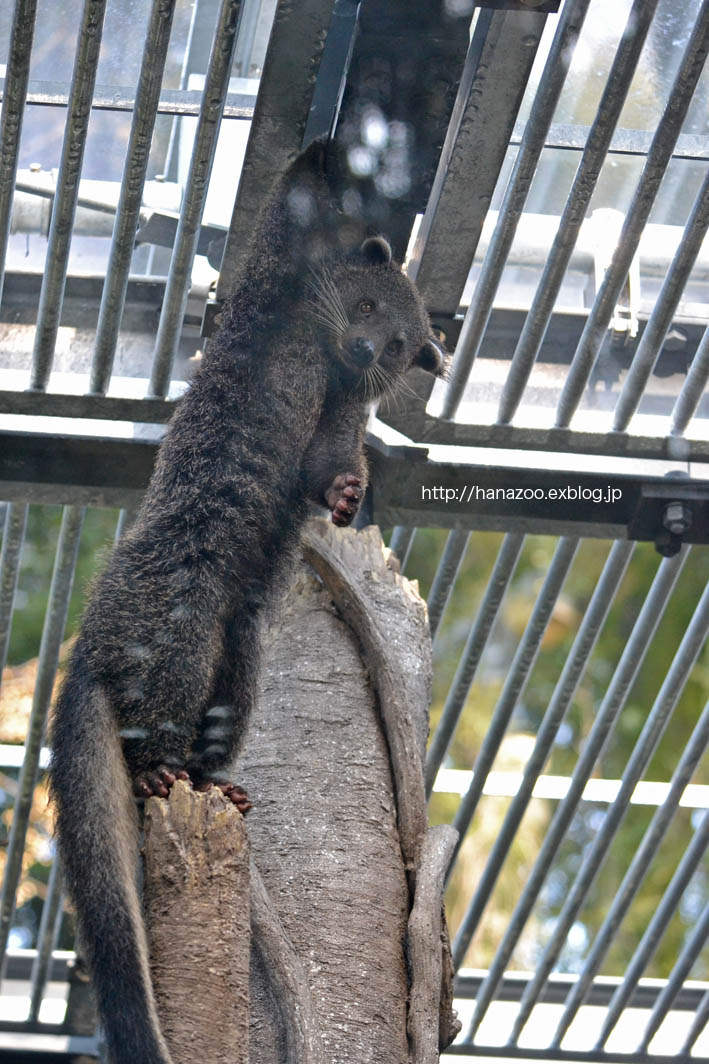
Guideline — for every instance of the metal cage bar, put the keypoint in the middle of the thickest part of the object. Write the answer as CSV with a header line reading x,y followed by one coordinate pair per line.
x,y
12,114
651,734
54,623
532,144
400,542
187,236
47,936
537,320
51,295
663,311
693,389
656,928
12,540
636,872
689,953
584,643
627,669
658,157
515,684
475,644
135,171
446,573
698,1024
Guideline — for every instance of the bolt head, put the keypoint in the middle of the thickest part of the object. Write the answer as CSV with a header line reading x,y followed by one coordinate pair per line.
x,y
677,518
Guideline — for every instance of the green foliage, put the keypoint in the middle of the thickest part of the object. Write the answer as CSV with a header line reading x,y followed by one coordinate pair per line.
x,y
36,567
513,617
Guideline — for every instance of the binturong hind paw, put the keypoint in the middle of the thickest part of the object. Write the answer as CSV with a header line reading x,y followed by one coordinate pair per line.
x,y
157,784
234,793
343,497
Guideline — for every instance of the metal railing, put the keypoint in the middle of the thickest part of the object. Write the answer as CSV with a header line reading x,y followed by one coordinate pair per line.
x,y
493,79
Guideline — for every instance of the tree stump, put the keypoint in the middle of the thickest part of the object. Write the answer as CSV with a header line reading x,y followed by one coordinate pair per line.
x,y
196,893
349,962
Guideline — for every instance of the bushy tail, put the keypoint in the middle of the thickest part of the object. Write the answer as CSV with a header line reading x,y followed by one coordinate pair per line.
x,y
97,829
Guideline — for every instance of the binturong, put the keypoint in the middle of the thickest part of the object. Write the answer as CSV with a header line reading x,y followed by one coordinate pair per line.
x,y
164,669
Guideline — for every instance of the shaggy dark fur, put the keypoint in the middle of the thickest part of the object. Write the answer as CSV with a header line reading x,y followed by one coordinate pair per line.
x,y
164,670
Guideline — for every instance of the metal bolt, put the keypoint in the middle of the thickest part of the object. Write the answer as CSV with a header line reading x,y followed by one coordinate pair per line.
x,y
677,518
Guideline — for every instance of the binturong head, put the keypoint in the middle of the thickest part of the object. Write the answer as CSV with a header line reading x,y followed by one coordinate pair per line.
x,y
372,319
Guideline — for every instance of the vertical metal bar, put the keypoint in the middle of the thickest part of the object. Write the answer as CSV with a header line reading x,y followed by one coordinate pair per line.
x,y
658,157
651,734
401,539
51,295
247,35
691,950
46,940
54,622
13,109
475,644
648,349
135,169
407,556
546,98
656,928
125,520
693,388
448,567
187,61
515,684
594,617
12,540
699,1022
636,873
187,236
631,659
599,137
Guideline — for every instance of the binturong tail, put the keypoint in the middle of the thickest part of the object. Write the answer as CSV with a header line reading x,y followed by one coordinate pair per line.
x,y
97,829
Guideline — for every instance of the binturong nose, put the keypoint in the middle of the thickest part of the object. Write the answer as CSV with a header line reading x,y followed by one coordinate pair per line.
x,y
362,352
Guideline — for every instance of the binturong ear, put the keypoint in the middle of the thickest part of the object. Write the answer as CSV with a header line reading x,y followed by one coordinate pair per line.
x,y
376,250
433,359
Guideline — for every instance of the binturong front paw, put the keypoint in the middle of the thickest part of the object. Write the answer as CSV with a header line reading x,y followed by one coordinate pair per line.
x,y
343,497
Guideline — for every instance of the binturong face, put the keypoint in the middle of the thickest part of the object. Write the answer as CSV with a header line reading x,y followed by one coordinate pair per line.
x,y
372,318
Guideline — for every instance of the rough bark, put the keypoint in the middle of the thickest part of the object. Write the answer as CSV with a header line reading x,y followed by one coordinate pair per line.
x,y
425,946
324,824
346,882
196,891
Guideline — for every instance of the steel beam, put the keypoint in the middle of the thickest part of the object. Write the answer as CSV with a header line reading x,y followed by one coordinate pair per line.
x,y
495,76
180,102
281,111
407,489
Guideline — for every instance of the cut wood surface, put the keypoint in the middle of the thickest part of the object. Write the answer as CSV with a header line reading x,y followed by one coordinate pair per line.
x,y
196,892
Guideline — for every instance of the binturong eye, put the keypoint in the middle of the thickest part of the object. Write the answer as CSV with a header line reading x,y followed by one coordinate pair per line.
x,y
366,306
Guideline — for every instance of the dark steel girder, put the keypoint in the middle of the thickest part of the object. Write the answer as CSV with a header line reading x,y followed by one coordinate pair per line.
x,y
496,72
407,488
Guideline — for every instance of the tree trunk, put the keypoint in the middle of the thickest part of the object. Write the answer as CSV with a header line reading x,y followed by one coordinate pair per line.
x,y
333,765
346,881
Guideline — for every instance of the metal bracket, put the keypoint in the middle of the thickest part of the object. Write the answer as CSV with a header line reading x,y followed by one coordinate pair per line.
x,y
160,228
669,514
